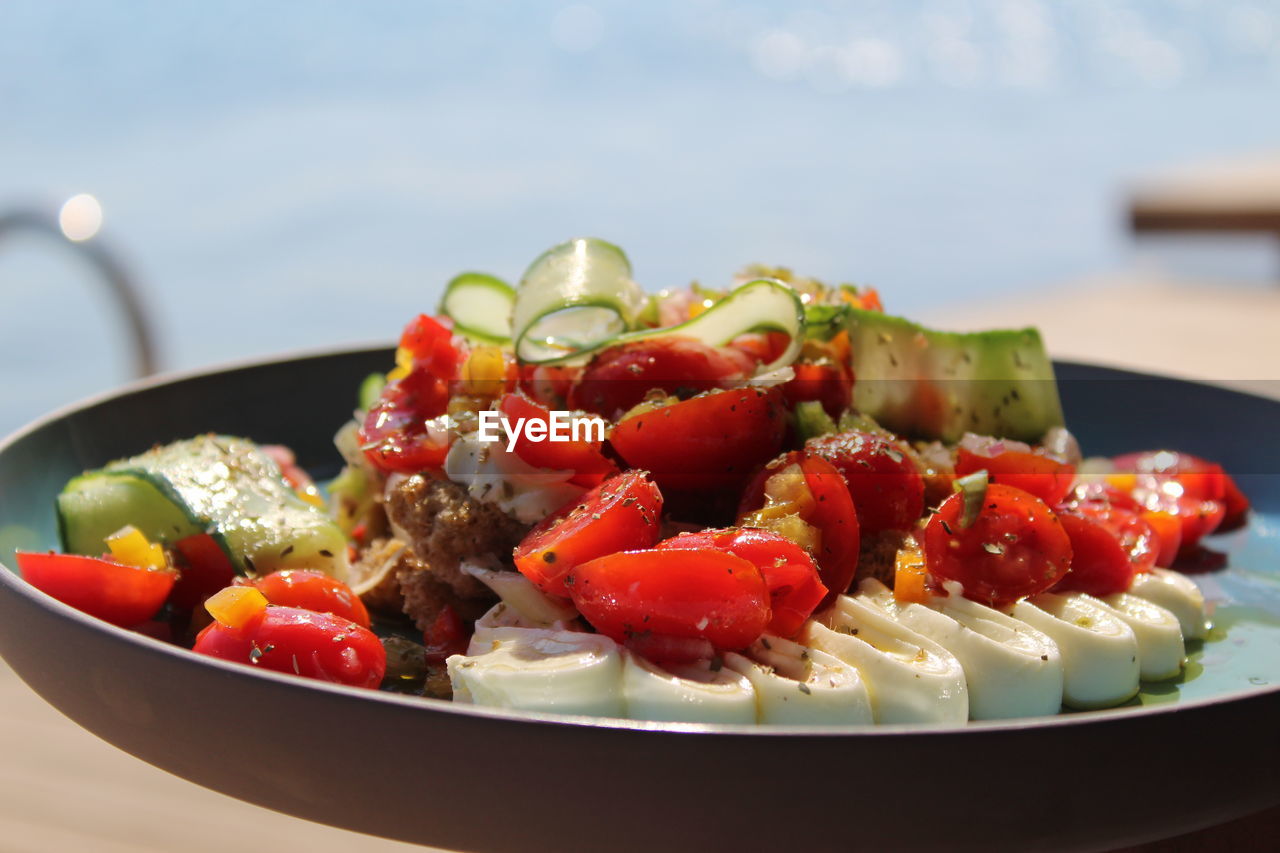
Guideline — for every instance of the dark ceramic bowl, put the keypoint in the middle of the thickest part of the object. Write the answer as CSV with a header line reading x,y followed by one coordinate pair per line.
x,y
428,771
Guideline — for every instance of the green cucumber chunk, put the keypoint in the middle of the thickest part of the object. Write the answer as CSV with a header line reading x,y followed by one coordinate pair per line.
x,y
217,484
938,385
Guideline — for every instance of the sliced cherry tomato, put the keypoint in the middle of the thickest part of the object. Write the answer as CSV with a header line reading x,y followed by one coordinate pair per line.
x,y
1014,548
119,594
1199,477
1187,486
826,381
621,376
622,513
886,486
311,589
1168,532
1030,470
583,457
795,588
445,636
430,341
205,569
1134,534
711,442
1099,564
303,642
1235,505
825,505
711,595
397,434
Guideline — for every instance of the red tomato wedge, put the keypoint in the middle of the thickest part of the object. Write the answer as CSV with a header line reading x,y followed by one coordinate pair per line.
x,y
827,507
1015,547
1033,472
795,588
710,442
886,487
116,593
619,377
620,514
706,594
583,457
292,640
311,589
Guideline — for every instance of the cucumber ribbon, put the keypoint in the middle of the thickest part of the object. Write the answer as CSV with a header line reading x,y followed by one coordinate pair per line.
x,y
579,297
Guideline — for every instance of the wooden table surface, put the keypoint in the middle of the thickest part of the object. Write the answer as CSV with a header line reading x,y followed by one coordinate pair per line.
x,y
1240,194
63,789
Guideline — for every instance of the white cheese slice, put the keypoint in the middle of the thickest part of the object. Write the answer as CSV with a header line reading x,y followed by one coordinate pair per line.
x,y
535,669
1178,594
1161,651
1011,669
1099,651
685,693
910,678
796,685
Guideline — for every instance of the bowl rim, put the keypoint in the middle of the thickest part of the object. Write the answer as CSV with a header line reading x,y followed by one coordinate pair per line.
x,y
12,580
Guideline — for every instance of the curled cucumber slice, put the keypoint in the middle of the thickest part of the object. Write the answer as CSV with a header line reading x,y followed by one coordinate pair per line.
x,y
574,298
480,306
763,305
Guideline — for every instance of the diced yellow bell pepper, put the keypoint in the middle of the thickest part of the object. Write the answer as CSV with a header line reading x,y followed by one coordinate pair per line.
x,y
236,606
484,373
909,575
404,363
128,545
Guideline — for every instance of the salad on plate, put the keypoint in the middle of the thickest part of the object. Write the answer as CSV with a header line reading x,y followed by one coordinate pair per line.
x,y
770,502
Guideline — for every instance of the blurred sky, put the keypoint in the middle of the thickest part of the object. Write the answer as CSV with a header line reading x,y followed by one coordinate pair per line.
x,y
298,174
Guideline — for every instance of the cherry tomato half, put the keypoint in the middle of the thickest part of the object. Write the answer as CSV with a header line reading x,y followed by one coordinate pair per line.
x,y
619,377
824,504
795,589
302,642
1029,470
712,595
708,443
1099,564
886,486
620,514
311,589
1015,547
205,568
585,458
828,382
119,594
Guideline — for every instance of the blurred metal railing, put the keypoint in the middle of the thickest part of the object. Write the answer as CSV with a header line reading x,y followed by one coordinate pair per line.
x,y
111,271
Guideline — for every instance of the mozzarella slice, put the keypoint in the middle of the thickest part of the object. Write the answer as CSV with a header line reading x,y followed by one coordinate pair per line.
x,y
492,474
532,669
1161,652
1099,651
685,693
795,685
910,679
1011,669
1178,594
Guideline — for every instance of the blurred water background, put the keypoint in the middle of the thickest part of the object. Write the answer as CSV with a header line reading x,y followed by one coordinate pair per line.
x,y
301,174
